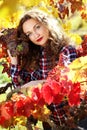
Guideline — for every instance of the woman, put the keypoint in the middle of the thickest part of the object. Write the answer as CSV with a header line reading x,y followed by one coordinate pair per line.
x,y
47,43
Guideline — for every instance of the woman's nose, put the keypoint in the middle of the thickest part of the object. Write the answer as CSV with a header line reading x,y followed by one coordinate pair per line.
x,y
36,34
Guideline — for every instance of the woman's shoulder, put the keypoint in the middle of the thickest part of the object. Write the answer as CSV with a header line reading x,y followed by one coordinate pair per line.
x,y
68,48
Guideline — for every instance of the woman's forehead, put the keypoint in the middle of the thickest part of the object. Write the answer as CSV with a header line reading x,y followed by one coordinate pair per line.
x,y
29,24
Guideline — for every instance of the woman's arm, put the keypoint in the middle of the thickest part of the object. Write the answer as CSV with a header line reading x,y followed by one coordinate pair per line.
x,y
22,76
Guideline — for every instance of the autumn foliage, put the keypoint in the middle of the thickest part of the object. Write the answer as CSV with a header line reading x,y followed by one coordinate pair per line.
x,y
62,84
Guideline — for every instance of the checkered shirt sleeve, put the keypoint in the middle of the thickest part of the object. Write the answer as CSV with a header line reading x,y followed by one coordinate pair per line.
x,y
67,55
58,114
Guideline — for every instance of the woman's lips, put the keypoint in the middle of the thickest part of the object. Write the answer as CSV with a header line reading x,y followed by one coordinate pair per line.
x,y
39,39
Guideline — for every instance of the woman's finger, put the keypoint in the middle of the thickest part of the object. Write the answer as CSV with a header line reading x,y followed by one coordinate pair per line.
x,y
13,59
9,54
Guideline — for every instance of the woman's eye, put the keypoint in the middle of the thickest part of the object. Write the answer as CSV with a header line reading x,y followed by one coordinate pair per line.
x,y
38,26
28,34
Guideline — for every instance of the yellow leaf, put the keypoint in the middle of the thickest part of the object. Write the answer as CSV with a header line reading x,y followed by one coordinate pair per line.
x,y
67,26
78,63
78,70
4,12
84,1
76,38
29,3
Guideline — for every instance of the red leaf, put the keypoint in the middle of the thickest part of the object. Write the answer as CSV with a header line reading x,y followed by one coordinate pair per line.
x,y
74,95
7,110
47,94
36,95
55,86
58,98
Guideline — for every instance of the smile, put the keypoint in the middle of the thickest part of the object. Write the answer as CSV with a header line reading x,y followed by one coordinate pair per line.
x,y
40,39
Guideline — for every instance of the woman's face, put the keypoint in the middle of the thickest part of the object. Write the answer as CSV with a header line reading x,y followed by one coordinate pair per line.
x,y
36,31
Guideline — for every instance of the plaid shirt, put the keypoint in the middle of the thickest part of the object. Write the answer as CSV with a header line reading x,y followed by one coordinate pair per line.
x,y
58,113
67,55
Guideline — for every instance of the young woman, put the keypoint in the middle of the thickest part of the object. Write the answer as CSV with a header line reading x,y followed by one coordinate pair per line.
x,y
47,43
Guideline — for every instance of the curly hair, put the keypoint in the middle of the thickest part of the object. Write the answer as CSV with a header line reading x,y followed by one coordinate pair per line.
x,y
57,39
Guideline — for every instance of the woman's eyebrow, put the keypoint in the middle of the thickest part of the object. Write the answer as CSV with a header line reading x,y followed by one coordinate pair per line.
x,y
36,24
27,33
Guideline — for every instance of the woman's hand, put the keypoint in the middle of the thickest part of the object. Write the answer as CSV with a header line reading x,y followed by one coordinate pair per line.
x,y
14,60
